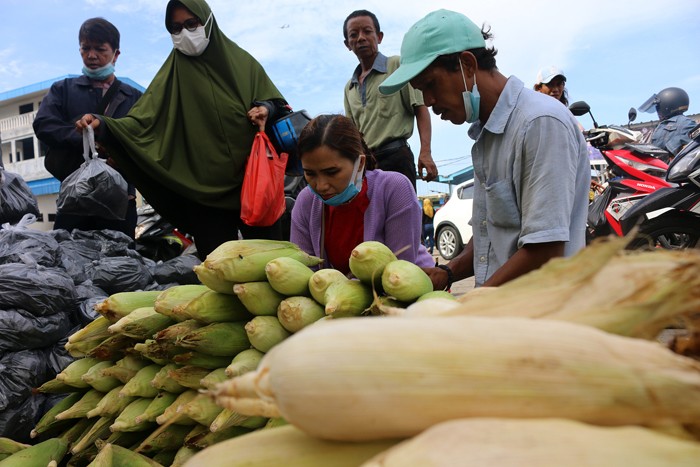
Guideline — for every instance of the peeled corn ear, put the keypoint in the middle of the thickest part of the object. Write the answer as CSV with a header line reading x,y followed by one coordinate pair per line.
x,y
288,276
368,260
321,280
405,281
259,298
347,298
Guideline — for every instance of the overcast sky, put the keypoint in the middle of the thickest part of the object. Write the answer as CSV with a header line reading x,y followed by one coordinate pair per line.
x,y
615,53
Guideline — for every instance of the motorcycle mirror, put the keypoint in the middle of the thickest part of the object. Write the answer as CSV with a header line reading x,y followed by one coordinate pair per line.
x,y
579,108
631,115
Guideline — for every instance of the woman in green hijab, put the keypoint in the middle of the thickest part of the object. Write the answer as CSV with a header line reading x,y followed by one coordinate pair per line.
x,y
186,141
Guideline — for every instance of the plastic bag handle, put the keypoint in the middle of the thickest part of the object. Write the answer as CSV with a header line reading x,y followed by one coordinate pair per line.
x,y
89,151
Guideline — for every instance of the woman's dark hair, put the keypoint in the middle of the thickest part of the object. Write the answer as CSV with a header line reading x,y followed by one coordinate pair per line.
x,y
99,30
357,14
485,56
336,132
564,99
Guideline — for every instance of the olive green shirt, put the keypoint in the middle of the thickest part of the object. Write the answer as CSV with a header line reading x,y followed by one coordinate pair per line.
x,y
381,118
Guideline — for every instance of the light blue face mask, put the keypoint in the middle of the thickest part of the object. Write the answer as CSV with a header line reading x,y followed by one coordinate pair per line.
x,y
471,99
101,73
354,187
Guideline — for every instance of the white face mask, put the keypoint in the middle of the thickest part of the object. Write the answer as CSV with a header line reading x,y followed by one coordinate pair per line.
x,y
192,43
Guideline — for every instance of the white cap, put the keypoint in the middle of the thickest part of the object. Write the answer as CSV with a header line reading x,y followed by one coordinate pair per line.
x,y
547,74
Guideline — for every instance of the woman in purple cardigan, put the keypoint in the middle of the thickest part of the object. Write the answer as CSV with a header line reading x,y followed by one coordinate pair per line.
x,y
347,201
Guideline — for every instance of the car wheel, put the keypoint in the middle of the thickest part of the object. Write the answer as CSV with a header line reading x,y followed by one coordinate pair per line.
x,y
449,242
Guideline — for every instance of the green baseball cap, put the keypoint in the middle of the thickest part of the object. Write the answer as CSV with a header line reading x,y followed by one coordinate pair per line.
x,y
441,32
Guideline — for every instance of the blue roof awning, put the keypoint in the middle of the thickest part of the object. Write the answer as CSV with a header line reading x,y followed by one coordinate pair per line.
x,y
457,177
47,186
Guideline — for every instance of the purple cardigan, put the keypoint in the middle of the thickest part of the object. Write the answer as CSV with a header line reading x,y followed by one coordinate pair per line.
x,y
393,217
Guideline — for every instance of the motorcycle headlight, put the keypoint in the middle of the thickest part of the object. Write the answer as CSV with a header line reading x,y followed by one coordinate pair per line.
x,y
681,168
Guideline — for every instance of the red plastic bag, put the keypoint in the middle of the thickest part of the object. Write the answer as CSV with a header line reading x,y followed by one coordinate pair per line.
x,y
262,195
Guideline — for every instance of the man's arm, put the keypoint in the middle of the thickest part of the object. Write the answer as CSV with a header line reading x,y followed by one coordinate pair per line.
x,y
526,259
425,158
462,266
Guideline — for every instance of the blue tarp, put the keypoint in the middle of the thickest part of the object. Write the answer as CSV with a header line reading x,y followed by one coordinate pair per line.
x,y
47,186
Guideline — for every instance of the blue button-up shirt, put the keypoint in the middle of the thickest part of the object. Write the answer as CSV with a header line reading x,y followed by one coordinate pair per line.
x,y
532,178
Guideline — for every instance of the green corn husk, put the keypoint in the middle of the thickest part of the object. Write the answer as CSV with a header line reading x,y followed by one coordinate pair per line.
x,y
405,281
97,380
189,376
203,360
158,350
295,313
75,432
264,332
9,446
209,438
349,298
244,362
111,404
321,280
213,378
171,415
368,260
195,432
437,294
177,296
82,349
141,323
275,422
83,458
44,453
140,384
201,409
55,386
162,380
241,261
99,429
96,329
157,406
288,276
212,307
48,420
213,279
228,418
165,457
112,455
382,303
126,421
125,438
218,339
113,348
81,408
259,298
118,305
126,368
72,374
172,332
184,454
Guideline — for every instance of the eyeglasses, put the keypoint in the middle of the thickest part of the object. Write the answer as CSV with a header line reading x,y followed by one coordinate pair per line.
x,y
189,24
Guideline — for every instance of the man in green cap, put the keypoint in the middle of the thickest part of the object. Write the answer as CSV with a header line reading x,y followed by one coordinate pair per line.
x,y
530,160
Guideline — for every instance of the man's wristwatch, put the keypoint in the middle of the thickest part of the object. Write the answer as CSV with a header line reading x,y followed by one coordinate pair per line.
x,y
450,276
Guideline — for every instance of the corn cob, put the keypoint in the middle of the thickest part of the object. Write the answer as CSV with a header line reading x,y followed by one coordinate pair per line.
x,y
166,456
475,367
288,446
320,280
218,339
82,348
118,305
113,348
295,313
259,298
437,294
44,453
48,420
80,409
228,418
183,455
162,380
172,332
97,380
141,323
55,386
110,405
208,438
158,351
188,376
140,384
288,276
242,261
405,281
275,423
98,429
212,307
244,362
9,446
113,455
368,260
156,408
348,298
96,329
73,373
201,409
126,421
177,296
202,360
213,378
509,442
171,415
125,368
264,332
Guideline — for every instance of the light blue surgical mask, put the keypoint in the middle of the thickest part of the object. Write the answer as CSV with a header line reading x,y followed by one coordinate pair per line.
x,y
101,73
353,188
471,99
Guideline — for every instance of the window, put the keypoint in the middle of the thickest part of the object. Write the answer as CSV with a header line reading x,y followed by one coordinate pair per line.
x,y
466,192
26,108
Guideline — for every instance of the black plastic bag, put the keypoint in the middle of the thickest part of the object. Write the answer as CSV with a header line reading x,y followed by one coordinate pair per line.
x,y
39,290
57,357
19,241
18,420
112,242
119,274
178,269
76,254
16,199
21,330
20,372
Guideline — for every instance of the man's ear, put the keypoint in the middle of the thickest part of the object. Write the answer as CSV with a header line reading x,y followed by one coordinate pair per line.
x,y
347,45
116,55
468,63
380,36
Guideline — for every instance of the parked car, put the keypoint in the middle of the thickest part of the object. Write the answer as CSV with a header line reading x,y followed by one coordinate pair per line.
x,y
452,229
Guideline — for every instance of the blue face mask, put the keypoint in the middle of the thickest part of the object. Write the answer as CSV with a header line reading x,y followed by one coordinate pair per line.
x,y
471,99
101,73
354,187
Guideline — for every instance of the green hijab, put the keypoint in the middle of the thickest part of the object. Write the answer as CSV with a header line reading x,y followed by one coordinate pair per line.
x,y
189,132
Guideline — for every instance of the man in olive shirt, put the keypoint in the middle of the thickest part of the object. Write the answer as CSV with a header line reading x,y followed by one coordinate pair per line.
x,y
386,122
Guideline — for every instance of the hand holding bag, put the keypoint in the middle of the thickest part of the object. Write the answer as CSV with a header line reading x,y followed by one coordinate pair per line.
x,y
95,189
262,194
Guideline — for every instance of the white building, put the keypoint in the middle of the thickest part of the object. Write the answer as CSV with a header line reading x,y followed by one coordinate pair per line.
x,y
22,152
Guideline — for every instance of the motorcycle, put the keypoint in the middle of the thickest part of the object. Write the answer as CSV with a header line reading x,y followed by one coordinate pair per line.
x,y
633,171
156,238
670,217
